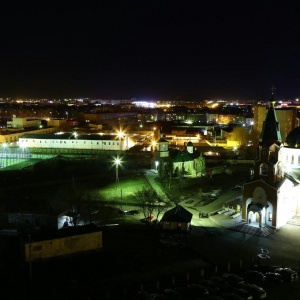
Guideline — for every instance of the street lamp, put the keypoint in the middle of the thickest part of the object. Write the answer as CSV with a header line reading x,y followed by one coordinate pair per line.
x,y
117,162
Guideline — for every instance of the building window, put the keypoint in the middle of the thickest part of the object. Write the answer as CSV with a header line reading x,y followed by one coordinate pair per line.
x,y
263,169
292,160
270,216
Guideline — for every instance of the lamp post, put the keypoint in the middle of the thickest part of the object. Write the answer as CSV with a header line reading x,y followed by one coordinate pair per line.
x,y
117,162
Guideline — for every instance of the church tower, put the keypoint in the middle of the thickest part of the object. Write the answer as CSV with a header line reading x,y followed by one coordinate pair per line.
x,y
261,194
267,166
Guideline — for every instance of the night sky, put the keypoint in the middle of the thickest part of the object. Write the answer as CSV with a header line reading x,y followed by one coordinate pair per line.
x,y
150,49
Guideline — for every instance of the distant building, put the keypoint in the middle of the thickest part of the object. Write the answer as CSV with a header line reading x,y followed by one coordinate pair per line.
x,y
22,123
76,141
287,118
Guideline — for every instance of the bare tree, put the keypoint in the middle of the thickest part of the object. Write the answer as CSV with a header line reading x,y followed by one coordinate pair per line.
x,y
150,202
146,198
199,164
165,171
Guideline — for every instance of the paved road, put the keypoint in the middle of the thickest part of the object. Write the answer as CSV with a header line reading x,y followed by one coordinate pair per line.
x,y
283,245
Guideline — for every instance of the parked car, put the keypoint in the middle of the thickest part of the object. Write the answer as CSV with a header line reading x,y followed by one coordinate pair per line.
x,y
233,278
253,276
212,287
132,212
220,282
144,296
198,290
185,292
274,277
172,294
287,274
256,291
245,295
148,219
159,296
230,296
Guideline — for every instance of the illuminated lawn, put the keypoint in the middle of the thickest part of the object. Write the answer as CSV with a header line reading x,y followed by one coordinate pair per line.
x,y
124,192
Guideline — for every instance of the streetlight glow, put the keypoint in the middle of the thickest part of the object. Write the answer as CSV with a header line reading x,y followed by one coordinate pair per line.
x,y
120,134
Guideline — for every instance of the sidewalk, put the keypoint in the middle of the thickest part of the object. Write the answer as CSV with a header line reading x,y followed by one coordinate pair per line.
x,y
150,177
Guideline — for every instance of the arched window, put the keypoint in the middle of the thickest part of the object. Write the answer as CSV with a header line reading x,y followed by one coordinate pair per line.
x,y
279,170
263,169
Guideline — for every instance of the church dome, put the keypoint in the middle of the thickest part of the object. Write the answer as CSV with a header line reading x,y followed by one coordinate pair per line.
x,y
293,138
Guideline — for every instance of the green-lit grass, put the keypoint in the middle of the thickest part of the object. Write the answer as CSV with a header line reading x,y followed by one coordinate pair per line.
x,y
124,191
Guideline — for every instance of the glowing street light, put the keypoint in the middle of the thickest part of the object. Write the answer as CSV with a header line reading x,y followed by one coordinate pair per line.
x,y
120,135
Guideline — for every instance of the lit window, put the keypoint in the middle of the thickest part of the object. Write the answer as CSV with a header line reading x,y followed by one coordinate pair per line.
x,y
270,216
263,169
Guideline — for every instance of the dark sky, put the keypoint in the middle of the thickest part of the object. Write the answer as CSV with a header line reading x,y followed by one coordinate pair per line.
x,y
229,49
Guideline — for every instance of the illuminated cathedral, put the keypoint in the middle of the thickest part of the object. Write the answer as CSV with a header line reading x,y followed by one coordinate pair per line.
x,y
272,196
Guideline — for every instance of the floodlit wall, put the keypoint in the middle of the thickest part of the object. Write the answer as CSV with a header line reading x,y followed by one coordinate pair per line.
x,y
63,246
76,144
